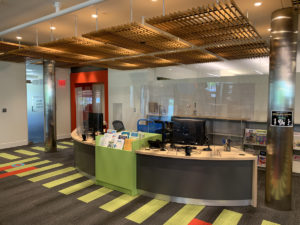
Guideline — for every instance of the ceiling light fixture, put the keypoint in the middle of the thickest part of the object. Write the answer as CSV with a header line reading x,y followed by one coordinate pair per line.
x,y
269,29
257,4
19,37
52,28
94,16
154,0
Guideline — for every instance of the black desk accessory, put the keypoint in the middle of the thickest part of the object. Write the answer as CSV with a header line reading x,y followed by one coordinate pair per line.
x,y
83,137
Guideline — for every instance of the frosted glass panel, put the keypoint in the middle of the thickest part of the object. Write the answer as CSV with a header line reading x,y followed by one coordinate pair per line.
x,y
35,102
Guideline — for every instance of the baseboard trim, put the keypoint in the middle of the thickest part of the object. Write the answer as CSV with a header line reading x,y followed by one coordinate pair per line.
x,y
13,144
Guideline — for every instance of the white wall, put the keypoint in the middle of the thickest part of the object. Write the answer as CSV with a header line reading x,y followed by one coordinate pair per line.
x,y
13,123
63,107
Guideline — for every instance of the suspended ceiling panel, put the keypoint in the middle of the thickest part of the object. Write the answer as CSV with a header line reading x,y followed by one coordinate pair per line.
x,y
7,46
88,47
250,50
207,25
188,57
136,37
48,53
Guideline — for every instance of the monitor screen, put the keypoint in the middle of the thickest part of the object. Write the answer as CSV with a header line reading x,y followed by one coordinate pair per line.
x,y
96,121
189,131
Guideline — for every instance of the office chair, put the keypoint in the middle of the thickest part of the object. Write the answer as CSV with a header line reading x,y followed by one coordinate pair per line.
x,y
118,125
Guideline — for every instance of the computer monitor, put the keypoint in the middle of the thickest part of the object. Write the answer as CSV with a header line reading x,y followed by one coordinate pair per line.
x,y
96,122
188,131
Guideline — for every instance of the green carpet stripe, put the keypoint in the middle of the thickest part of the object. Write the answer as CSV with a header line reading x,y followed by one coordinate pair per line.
x,y
25,152
95,195
77,187
40,170
63,180
28,165
38,148
147,210
8,156
52,174
118,202
265,222
67,143
228,217
19,161
62,147
185,215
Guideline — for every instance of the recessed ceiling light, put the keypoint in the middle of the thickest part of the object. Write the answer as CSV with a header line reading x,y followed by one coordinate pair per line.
x,y
52,28
269,29
19,37
94,16
257,4
154,0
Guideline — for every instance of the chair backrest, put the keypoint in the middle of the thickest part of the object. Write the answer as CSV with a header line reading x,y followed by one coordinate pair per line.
x,y
118,125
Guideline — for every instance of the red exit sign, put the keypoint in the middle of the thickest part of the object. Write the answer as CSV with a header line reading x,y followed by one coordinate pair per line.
x,y
61,83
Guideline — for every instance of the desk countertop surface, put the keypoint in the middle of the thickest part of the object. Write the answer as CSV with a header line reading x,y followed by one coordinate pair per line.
x,y
217,153
77,138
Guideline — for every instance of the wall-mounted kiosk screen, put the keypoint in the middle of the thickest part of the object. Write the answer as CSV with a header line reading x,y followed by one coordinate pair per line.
x,y
189,131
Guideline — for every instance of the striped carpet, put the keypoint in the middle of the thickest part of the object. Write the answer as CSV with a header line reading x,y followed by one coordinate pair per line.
x,y
51,191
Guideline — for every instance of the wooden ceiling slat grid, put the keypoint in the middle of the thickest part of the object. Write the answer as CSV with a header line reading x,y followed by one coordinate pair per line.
x,y
48,53
8,46
88,47
207,25
249,50
12,58
136,37
188,57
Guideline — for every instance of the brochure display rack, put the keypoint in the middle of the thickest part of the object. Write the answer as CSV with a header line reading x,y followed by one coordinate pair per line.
x,y
116,169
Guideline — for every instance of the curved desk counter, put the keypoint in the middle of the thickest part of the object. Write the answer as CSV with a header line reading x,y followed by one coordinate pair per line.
x,y
84,154
226,179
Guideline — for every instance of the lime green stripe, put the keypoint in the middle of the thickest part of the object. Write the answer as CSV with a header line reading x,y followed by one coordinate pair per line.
x,y
62,147
118,202
77,187
67,143
8,156
38,148
265,222
228,217
25,152
28,165
94,195
19,161
185,215
146,210
52,174
39,170
62,180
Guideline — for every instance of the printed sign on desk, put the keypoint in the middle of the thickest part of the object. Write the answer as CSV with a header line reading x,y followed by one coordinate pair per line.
x,y
282,119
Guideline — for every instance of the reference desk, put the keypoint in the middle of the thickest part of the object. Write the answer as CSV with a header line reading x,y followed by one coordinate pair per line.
x,y
215,178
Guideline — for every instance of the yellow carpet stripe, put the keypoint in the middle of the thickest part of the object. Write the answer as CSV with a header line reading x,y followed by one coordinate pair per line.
x,y
147,210
39,170
28,165
52,174
95,194
67,143
62,180
185,215
8,156
265,222
77,187
25,152
228,217
62,147
38,148
118,202
19,161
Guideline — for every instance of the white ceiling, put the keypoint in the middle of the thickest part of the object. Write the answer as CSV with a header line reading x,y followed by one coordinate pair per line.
x,y
111,13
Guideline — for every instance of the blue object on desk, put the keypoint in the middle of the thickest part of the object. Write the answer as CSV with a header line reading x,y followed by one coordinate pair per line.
x,y
146,125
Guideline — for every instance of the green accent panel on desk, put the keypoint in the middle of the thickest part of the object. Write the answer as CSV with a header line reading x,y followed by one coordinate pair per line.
x,y
116,169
